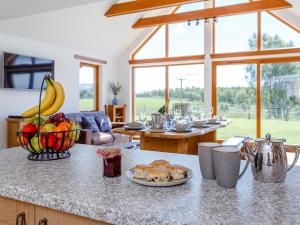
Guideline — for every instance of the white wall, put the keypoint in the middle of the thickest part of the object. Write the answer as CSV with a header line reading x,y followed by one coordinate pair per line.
x,y
66,71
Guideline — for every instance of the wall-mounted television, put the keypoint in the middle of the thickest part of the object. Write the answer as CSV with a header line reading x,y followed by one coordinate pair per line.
x,y
25,72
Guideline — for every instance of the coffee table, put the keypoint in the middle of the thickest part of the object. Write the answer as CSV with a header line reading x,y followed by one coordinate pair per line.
x,y
184,143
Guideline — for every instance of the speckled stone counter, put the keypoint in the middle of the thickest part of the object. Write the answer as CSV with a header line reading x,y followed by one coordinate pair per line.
x,y
76,186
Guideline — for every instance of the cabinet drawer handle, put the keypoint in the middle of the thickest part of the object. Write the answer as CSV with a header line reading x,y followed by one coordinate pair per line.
x,y
21,217
43,222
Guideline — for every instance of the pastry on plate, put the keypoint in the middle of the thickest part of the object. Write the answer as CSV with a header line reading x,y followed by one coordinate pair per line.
x,y
177,172
160,163
158,175
142,171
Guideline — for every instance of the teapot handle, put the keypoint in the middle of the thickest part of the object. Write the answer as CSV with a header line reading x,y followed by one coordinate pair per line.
x,y
247,164
296,157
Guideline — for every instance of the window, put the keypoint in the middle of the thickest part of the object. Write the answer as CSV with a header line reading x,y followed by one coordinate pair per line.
x,y
89,87
280,101
186,39
155,47
236,33
219,3
236,99
192,78
191,7
149,87
276,34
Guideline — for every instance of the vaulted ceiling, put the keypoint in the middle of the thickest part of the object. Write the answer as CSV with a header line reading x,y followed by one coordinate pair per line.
x,y
16,8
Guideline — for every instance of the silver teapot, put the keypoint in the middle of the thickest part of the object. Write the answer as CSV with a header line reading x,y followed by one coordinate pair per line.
x,y
158,121
269,159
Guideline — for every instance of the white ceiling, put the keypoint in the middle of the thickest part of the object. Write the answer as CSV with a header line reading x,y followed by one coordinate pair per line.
x,y
17,8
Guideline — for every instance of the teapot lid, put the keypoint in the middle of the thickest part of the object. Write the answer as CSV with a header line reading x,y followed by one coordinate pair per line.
x,y
268,138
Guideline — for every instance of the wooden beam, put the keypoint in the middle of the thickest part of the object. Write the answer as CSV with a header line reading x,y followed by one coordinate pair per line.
x,y
89,59
144,5
255,6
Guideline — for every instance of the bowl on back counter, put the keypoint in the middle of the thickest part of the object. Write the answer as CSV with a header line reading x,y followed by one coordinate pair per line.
x,y
48,139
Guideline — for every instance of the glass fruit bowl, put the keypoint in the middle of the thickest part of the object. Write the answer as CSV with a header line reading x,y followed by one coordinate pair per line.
x,y
44,146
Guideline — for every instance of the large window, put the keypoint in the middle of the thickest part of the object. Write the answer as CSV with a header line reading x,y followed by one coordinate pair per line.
x,y
236,33
154,87
89,87
191,77
155,47
236,99
149,87
280,101
276,34
186,39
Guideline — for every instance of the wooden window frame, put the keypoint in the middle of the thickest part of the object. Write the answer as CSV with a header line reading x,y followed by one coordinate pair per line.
x,y
97,81
166,82
258,63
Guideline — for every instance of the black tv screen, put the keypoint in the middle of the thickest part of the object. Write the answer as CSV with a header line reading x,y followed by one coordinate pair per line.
x,y
25,72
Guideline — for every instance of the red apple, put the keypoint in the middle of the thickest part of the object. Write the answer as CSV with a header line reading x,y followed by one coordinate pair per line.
x,y
29,130
51,141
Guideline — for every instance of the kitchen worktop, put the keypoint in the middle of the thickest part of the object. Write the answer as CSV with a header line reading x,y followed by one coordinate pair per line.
x,y
75,185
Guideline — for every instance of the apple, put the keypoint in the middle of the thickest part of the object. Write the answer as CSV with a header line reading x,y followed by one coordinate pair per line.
x,y
74,135
62,146
36,144
47,128
51,141
29,130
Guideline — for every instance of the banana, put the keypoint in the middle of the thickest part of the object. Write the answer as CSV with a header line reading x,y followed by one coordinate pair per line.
x,y
47,101
59,100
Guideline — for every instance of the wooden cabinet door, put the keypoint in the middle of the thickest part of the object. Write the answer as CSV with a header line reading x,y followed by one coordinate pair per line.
x,y
59,218
9,209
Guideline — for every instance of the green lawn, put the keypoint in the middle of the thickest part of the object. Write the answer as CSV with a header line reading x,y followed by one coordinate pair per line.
x,y
86,104
277,128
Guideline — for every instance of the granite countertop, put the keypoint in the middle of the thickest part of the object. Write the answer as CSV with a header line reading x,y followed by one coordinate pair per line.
x,y
75,185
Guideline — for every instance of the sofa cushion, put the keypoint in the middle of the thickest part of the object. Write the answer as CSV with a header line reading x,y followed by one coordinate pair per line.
x,y
99,138
89,123
103,123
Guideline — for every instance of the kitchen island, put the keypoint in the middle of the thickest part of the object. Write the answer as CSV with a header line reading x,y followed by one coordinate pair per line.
x,y
75,186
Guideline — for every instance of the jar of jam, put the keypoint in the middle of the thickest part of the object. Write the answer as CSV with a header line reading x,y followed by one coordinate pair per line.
x,y
111,161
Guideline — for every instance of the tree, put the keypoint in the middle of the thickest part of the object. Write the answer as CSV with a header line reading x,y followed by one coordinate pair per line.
x,y
273,81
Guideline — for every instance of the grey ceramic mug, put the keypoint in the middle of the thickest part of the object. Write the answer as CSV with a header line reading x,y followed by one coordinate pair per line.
x,y
205,153
227,161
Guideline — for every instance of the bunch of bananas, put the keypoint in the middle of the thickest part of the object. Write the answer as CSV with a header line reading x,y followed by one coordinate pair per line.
x,y
52,101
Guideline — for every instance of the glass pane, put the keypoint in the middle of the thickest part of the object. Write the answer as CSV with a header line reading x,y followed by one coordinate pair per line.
x,y
155,47
186,39
150,84
87,88
280,101
191,7
236,99
192,93
276,34
219,3
236,33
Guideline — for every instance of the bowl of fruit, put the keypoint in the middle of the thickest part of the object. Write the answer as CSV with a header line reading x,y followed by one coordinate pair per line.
x,y
46,134
50,138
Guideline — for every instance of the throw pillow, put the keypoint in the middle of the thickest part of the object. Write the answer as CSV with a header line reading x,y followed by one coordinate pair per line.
x,y
103,124
89,123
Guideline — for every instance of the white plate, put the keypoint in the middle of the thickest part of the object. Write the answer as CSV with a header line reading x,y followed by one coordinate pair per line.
x,y
182,131
144,182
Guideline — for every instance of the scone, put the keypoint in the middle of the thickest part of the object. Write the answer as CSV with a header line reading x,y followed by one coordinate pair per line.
x,y
177,172
158,175
160,164
142,171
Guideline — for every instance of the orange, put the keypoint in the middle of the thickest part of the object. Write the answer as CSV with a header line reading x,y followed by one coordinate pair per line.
x,y
65,124
60,134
